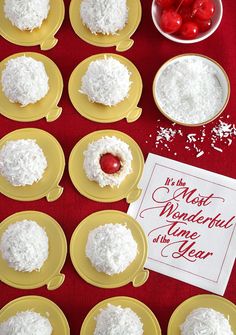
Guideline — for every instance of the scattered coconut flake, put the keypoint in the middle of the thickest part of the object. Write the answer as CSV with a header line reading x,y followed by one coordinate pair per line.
x,y
104,16
111,248
107,81
24,245
26,14
115,320
24,80
206,321
92,157
189,91
26,323
22,162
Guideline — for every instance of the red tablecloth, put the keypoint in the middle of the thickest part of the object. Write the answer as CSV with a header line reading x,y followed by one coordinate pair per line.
x,y
160,293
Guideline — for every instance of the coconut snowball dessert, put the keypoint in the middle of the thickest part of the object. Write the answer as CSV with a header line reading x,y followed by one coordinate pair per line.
x,y
24,80
22,162
115,320
27,323
26,14
111,248
24,246
107,82
107,161
104,16
206,321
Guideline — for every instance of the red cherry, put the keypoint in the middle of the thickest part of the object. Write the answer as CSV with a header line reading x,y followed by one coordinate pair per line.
x,y
203,9
189,30
185,2
186,13
165,3
110,164
170,21
203,25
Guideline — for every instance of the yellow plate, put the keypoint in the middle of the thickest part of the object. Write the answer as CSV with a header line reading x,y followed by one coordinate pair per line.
x,y
41,305
150,323
46,107
134,273
43,36
215,302
90,189
121,40
49,185
98,112
50,272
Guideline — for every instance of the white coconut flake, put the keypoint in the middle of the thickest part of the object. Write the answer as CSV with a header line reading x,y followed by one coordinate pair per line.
x,y
104,16
22,162
111,248
26,323
115,320
24,245
24,80
96,150
26,14
107,81
189,91
206,321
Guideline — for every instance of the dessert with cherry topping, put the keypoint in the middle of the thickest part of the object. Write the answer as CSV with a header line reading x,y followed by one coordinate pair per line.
x,y
107,161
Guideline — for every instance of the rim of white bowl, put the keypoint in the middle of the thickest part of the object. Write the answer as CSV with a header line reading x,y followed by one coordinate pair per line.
x,y
179,40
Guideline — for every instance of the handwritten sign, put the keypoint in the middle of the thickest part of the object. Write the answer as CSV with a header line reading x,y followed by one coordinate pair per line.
x,y
189,217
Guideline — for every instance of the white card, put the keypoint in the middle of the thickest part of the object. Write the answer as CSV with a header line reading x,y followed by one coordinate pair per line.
x,y
189,217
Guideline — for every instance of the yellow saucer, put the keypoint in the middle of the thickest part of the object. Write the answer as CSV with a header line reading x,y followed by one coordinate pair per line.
x,y
49,185
134,273
98,112
121,40
215,302
150,323
43,36
90,189
50,272
41,305
46,107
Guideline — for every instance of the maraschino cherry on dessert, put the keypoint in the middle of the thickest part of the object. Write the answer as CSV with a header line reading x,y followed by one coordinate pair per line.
x,y
110,164
186,18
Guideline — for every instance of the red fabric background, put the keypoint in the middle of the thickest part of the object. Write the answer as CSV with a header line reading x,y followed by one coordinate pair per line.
x,y
160,293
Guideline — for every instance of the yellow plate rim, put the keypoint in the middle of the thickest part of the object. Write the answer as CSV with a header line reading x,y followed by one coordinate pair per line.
x,y
125,301
62,248
41,111
131,271
122,109
30,299
53,184
203,300
90,138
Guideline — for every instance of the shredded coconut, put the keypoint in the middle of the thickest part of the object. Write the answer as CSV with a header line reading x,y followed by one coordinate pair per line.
x,y
104,16
111,248
94,153
107,81
115,320
24,245
26,323
22,162
24,80
26,14
206,321
189,91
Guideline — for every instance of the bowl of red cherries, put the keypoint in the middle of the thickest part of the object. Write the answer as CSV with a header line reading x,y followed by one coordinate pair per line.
x,y
187,21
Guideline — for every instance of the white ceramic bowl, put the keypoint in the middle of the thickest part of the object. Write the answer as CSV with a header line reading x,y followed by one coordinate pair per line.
x,y
221,76
156,11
